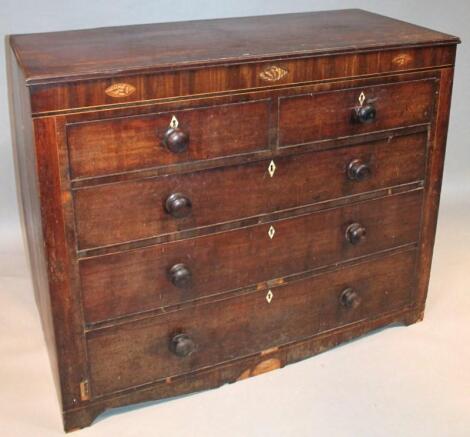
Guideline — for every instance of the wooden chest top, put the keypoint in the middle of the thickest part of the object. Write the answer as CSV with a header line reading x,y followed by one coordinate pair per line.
x,y
80,54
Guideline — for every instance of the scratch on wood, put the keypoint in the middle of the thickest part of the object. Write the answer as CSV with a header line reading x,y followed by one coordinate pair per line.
x,y
262,367
269,351
274,282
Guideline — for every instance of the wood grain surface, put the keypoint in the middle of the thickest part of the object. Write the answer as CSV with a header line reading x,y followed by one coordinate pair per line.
x,y
117,213
321,116
123,144
138,353
137,280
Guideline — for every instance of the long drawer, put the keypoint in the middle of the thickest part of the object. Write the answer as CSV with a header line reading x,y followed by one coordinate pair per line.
x,y
187,340
143,279
129,211
333,114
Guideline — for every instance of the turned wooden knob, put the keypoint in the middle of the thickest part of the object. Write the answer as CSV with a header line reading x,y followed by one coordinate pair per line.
x,y
176,140
182,345
178,205
349,298
364,114
180,275
355,233
358,170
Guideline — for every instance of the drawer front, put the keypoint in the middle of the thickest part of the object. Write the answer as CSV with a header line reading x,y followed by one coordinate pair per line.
x,y
138,353
125,144
314,117
128,211
143,279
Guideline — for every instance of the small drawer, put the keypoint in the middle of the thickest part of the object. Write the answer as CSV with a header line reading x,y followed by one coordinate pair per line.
x,y
334,114
145,279
185,341
127,211
124,144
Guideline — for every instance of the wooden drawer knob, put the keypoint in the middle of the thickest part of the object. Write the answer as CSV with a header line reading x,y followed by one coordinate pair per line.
x,y
182,345
176,140
178,205
180,276
355,233
358,170
364,114
349,298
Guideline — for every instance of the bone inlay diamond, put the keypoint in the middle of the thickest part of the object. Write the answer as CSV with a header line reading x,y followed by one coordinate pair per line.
x,y
271,232
271,168
269,296
362,97
174,122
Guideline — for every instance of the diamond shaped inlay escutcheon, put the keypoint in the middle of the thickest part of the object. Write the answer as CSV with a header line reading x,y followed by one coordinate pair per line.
x,y
362,98
271,168
271,232
174,122
269,296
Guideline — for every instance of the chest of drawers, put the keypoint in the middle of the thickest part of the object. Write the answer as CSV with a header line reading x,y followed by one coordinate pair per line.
x,y
211,200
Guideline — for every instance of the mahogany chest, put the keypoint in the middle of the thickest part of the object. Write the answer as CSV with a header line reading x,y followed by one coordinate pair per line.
x,y
206,201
